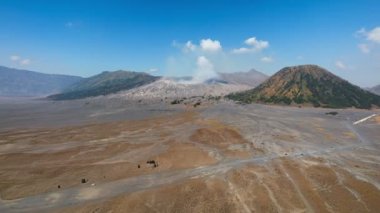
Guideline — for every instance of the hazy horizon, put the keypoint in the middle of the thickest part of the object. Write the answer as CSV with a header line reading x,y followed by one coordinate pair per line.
x,y
84,38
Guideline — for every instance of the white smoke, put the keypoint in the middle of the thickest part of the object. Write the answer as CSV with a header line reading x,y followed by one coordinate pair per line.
x,y
204,71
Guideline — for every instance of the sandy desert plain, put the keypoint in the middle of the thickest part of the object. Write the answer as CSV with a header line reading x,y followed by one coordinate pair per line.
x,y
216,157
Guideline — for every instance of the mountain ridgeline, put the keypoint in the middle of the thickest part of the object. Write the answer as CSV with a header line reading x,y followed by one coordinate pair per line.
x,y
104,84
251,78
16,82
308,84
375,89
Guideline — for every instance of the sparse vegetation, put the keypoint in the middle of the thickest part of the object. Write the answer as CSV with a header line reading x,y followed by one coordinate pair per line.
x,y
308,84
197,104
215,98
178,101
331,113
104,83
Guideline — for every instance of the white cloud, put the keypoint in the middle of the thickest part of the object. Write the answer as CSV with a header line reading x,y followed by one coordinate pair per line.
x,y
241,50
14,57
205,45
300,57
340,65
21,61
189,46
257,44
153,70
267,59
360,32
210,45
254,46
25,61
364,48
372,35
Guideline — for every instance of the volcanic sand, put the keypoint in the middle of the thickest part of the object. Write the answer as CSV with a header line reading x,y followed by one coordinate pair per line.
x,y
240,160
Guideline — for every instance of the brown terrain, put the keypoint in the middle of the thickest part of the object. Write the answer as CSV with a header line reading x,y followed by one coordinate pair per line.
x,y
308,85
214,158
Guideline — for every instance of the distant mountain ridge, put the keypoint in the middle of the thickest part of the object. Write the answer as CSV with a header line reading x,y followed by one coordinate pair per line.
x,y
180,87
375,89
142,85
17,82
308,84
105,83
251,78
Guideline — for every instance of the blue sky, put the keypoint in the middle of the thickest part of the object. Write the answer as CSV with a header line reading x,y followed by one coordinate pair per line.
x,y
170,37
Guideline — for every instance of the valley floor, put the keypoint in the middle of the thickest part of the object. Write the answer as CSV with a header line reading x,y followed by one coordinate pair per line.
x,y
215,157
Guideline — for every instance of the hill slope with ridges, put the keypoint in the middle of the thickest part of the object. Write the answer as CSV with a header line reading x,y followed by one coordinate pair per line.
x,y
104,84
308,84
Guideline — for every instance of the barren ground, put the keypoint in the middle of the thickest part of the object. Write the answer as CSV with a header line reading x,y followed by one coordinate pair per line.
x,y
217,157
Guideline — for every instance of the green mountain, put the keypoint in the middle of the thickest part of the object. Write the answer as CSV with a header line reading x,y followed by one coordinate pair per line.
x,y
16,82
105,83
308,84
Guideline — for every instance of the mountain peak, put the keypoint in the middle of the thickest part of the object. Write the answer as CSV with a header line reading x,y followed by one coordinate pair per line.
x,y
308,84
310,69
250,78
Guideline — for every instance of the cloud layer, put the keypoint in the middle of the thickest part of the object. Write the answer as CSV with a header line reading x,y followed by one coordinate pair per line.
x,y
21,61
340,65
374,35
207,57
14,57
364,48
253,44
205,45
189,46
210,45
372,38
267,59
